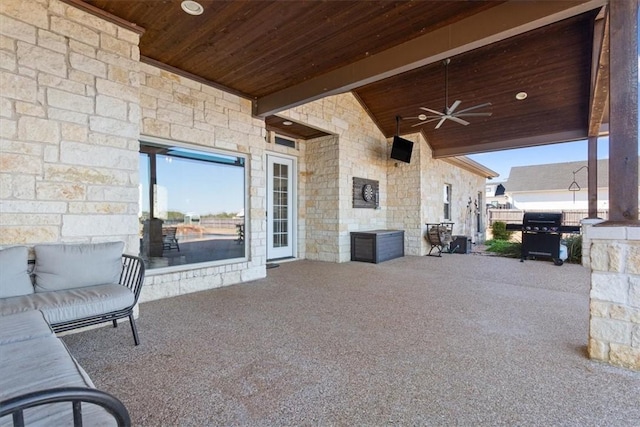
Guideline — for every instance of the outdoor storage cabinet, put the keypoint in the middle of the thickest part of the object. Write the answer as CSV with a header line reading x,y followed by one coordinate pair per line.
x,y
460,245
377,245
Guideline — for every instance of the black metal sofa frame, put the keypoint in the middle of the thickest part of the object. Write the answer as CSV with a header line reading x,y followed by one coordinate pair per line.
x,y
132,277
74,395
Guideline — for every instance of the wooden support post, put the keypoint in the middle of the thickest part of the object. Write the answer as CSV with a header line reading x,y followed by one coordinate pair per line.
x,y
623,112
592,177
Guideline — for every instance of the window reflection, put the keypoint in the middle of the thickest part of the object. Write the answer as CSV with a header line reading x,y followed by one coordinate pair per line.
x,y
191,206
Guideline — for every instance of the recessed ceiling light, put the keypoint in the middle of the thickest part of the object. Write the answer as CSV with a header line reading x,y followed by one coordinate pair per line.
x,y
192,7
287,123
521,96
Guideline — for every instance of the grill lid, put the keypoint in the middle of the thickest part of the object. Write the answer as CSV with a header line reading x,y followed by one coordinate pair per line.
x,y
540,218
542,221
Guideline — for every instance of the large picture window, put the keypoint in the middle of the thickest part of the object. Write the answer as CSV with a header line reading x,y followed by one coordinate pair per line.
x,y
191,206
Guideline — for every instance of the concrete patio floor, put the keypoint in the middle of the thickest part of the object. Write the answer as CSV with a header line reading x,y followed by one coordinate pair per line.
x,y
461,340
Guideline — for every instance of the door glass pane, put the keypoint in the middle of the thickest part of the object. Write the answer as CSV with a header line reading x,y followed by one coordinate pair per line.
x,y
280,205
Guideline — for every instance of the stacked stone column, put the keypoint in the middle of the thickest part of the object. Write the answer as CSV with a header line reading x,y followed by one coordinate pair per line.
x,y
614,334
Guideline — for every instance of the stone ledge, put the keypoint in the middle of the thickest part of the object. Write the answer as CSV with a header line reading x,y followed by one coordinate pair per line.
x,y
607,233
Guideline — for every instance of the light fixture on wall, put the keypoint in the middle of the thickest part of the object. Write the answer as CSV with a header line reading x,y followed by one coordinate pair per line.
x,y
192,7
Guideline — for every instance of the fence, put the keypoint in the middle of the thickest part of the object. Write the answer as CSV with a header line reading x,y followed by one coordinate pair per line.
x,y
514,216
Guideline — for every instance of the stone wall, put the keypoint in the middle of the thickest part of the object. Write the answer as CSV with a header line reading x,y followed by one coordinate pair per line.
x,y
404,189
178,109
465,185
410,194
74,102
614,334
322,199
69,126
356,149
416,195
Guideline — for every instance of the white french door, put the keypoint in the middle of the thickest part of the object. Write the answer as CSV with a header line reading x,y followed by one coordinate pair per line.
x,y
280,207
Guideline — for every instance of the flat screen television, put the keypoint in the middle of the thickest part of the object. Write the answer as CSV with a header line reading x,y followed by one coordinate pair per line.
x,y
401,149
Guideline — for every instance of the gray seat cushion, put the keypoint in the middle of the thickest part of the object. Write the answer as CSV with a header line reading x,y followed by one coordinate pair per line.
x,y
23,326
55,367
72,304
14,277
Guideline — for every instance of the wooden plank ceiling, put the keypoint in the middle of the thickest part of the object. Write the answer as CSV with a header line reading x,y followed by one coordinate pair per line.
x,y
265,50
556,106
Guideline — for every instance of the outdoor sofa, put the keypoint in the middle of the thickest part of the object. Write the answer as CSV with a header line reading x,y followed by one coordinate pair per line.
x,y
66,287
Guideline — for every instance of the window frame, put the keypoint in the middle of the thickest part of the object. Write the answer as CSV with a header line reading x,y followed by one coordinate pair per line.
x,y
152,140
448,193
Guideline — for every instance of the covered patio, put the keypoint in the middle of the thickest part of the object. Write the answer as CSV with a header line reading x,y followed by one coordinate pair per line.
x,y
411,341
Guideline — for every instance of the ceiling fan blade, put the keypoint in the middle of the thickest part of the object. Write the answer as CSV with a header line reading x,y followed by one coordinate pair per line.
x,y
453,107
432,111
475,107
473,114
426,121
441,122
457,120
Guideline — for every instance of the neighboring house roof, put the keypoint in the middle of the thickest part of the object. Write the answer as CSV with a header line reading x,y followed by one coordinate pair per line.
x,y
555,176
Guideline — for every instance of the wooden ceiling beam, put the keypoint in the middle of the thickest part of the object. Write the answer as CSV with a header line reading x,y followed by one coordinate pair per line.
x,y
532,141
599,100
497,23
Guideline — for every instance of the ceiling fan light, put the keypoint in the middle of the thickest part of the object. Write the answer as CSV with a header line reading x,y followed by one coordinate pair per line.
x,y
192,7
521,96
422,117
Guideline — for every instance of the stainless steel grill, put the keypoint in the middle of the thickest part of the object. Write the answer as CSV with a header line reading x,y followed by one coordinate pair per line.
x,y
541,234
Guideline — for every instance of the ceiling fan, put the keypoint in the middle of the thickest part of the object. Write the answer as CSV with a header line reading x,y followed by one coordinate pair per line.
x,y
449,113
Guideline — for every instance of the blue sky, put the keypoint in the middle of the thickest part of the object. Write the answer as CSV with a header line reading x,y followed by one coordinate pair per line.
x,y
195,186
503,161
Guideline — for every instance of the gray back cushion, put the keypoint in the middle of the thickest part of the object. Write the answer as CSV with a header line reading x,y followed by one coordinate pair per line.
x,y
74,266
14,275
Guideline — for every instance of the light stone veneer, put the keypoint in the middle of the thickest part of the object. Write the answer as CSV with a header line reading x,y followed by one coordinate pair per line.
x,y
410,194
614,334
70,124
426,177
180,110
355,148
76,100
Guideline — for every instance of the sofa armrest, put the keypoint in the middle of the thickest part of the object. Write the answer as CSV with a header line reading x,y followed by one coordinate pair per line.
x,y
132,275
74,395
